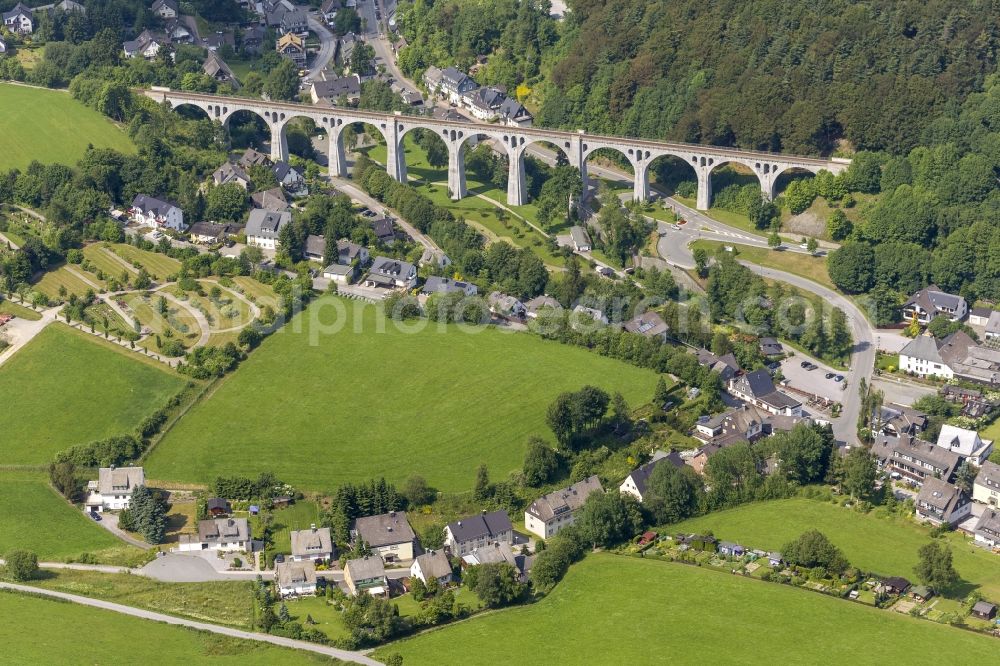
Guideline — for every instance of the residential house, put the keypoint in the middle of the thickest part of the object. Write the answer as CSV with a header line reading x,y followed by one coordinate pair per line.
x,y
218,39
225,534
68,6
757,388
552,512
366,575
455,84
165,9
895,419
340,273
913,459
921,356
484,103
504,305
253,40
514,114
345,49
593,314
389,535
921,593
273,11
698,542
939,502
432,79
231,173
272,199
251,157
965,443
648,324
970,361
894,585
771,347
984,610
295,579
471,532
743,423
217,68
635,483
288,176
986,488
389,273
178,33
293,47
441,285
112,491
146,45
153,212
312,544
433,564
20,20
974,405
216,506
209,232
726,365
580,238
992,331
493,553
775,560
385,231
931,302
264,227
979,316
314,248
329,10
294,22
987,530
539,303
333,91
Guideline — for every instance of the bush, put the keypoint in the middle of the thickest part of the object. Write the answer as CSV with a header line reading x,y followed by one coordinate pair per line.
x,y
22,565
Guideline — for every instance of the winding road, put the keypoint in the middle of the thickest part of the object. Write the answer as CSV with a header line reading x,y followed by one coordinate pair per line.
x,y
327,47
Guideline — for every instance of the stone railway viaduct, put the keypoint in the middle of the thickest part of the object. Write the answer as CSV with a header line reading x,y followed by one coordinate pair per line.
x,y
577,146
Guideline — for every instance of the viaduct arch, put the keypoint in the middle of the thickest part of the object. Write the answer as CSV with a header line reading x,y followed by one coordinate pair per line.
x,y
515,141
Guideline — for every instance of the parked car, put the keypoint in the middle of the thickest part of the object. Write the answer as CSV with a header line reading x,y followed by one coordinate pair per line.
x,y
96,517
829,375
838,378
804,364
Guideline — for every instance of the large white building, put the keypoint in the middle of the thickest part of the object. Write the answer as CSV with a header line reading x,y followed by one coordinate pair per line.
x,y
966,443
921,356
264,227
472,532
152,212
986,488
113,488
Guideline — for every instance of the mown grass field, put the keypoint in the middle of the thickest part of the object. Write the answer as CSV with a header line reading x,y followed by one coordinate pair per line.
x,y
22,311
34,517
873,542
160,266
620,610
51,126
221,602
104,260
43,631
796,263
65,388
73,278
319,409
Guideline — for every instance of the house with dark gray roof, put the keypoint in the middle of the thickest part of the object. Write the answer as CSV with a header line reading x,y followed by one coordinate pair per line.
x,y
580,238
332,91
757,388
314,543
432,564
386,273
209,232
153,212
727,366
389,535
635,483
217,68
314,248
442,285
649,325
931,302
771,347
939,502
986,488
896,419
252,157
366,575
551,513
987,530
455,84
264,227
287,175
20,19
295,21
231,173
113,488
483,103
471,532
921,356
165,9
914,459
272,199
513,113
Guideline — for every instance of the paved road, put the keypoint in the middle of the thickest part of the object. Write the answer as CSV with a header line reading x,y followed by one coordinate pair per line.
x,y
345,655
198,315
327,46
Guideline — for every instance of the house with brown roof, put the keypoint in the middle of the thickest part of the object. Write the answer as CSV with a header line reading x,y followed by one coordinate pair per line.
x,y
552,512
931,302
913,459
366,575
295,579
649,325
113,488
225,534
987,530
389,535
312,544
986,488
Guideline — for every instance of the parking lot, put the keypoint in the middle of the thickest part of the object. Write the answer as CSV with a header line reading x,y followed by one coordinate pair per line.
x,y
813,381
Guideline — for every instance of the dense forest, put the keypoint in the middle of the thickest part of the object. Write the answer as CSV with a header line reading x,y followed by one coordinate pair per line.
x,y
791,75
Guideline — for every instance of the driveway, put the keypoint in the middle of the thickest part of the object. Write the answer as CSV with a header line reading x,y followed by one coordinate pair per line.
x,y
109,521
184,568
812,381
346,655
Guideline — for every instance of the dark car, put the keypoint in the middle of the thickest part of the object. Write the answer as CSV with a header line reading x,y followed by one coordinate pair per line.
x,y
279,558
96,517
838,378
829,375
804,364
773,365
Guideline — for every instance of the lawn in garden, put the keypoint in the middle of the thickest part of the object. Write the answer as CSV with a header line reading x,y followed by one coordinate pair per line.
x,y
51,126
65,387
622,610
373,398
